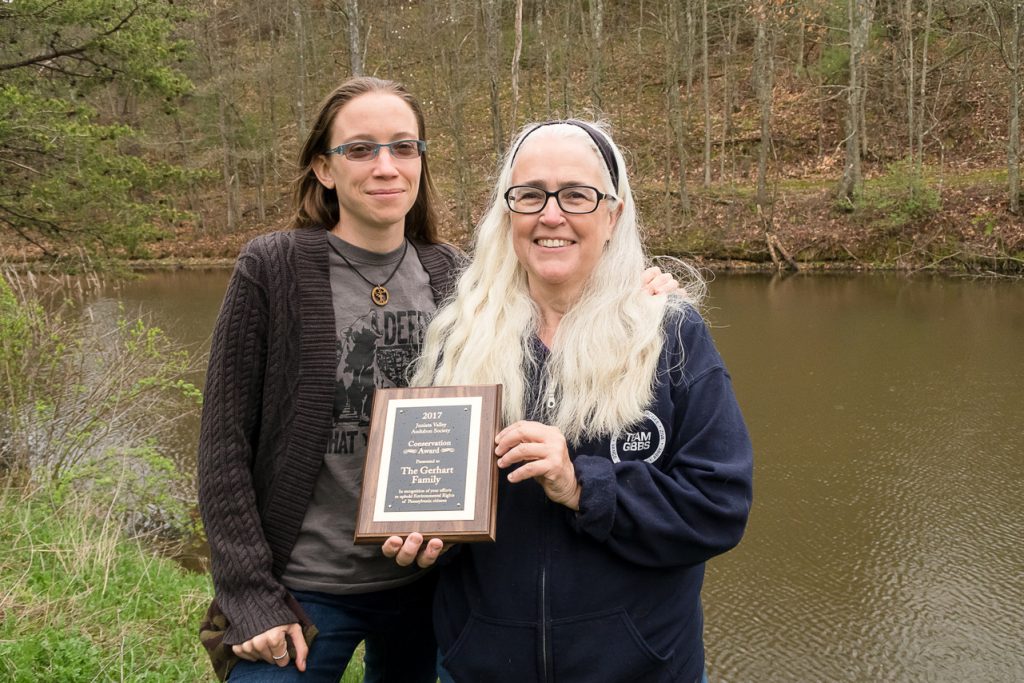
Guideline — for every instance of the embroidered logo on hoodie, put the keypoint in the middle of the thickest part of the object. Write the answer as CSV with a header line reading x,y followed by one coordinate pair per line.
x,y
643,441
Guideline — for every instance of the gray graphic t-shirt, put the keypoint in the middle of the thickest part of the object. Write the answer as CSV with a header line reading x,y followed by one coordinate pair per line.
x,y
375,346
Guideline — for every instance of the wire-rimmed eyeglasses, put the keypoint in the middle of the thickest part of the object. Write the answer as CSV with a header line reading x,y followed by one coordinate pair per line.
x,y
571,199
364,150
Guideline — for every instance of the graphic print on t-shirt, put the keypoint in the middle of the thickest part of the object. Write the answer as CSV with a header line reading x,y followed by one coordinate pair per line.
x,y
375,351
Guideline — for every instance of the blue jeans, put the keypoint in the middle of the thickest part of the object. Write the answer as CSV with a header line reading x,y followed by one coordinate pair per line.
x,y
396,625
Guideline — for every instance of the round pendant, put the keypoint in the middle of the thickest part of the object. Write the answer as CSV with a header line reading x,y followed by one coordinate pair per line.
x,y
380,295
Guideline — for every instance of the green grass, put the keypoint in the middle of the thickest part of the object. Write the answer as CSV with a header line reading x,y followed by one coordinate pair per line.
x,y
354,672
80,416
80,603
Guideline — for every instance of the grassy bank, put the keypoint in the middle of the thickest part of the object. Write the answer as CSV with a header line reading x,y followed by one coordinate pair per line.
x,y
88,495
87,398
82,603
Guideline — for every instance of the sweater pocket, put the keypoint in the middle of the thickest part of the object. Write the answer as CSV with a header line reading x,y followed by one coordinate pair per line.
x,y
493,650
604,648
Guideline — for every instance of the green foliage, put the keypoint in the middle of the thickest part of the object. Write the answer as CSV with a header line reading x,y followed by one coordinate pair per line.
x,y
355,671
834,64
15,338
90,397
900,197
139,486
73,177
71,181
83,604
986,221
90,42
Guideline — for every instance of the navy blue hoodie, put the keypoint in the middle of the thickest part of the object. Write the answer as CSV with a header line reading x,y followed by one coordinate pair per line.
x,y
610,593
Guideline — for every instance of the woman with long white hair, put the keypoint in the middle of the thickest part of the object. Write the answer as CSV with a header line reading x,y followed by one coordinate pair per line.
x,y
628,462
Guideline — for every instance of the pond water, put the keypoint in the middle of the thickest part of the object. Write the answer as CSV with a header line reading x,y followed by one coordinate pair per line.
x,y
886,542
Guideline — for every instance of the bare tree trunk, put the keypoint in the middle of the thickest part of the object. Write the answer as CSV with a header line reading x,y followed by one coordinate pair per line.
x,y
300,50
919,160
730,30
229,170
355,37
219,73
492,29
764,82
862,124
860,16
640,28
264,146
705,66
1008,41
801,32
691,32
897,54
916,82
820,79
542,36
673,101
1013,143
566,56
763,76
516,54
449,48
910,68
193,193
596,50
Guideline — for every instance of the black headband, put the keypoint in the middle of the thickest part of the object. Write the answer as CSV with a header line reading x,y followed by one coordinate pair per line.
x,y
599,139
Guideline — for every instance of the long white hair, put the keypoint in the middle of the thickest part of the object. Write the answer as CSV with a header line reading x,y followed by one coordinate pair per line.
x,y
604,356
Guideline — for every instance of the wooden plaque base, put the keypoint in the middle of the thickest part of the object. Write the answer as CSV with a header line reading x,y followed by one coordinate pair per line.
x,y
430,464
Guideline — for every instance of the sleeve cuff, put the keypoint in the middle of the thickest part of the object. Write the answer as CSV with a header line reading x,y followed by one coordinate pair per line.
x,y
254,624
596,515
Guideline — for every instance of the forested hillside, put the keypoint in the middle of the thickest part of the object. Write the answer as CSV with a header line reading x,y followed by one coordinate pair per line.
x,y
859,133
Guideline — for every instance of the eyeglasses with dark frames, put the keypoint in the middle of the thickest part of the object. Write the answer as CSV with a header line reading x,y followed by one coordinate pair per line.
x,y
577,199
364,150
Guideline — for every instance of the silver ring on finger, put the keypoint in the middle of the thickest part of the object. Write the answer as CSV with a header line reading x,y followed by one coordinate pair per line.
x,y
279,657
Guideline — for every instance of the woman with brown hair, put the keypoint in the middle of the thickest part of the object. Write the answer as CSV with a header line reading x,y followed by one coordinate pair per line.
x,y
314,319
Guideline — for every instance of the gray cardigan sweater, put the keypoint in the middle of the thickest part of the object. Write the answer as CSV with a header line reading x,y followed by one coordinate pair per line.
x,y
267,416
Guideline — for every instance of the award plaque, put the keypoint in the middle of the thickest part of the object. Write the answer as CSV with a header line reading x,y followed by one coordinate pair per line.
x,y
430,464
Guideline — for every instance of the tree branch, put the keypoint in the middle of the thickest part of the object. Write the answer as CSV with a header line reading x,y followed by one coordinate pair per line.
x,y
56,54
71,51
21,233
19,165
